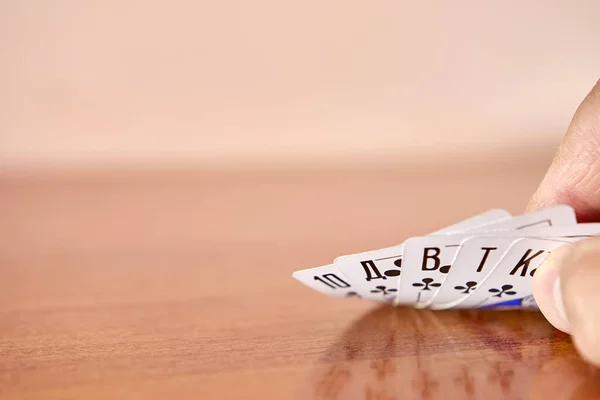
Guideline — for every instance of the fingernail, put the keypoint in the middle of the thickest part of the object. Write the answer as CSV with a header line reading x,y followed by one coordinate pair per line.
x,y
558,300
548,292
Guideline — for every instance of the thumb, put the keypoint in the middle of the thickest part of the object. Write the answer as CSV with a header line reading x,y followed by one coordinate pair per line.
x,y
566,288
574,176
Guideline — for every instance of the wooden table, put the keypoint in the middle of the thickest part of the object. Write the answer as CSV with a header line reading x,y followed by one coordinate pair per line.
x,y
178,285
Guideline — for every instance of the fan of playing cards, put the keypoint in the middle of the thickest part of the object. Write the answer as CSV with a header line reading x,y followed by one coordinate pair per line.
x,y
486,261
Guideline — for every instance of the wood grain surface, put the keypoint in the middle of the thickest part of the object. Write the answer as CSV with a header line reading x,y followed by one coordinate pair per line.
x,y
178,285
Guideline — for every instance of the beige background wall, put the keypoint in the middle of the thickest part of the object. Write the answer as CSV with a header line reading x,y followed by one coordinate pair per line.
x,y
110,82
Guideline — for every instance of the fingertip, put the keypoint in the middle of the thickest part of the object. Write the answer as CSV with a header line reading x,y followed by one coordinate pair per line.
x,y
547,289
541,199
584,315
580,279
574,174
533,204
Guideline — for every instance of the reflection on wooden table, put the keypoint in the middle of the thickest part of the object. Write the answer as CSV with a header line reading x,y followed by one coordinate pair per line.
x,y
464,354
178,285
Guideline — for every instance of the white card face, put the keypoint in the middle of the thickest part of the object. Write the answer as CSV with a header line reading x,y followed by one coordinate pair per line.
x,y
326,279
510,282
375,274
479,255
374,271
427,260
551,217
475,260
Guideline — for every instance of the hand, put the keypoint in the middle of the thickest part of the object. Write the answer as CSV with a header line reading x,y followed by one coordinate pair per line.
x,y
567,286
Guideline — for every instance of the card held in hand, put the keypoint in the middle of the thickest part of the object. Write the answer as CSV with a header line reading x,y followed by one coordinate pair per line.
x,y
487,261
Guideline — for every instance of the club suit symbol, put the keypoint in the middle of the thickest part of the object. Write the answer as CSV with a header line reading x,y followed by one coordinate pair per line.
x,y
394,272
505,290
468,288
427,284
383,290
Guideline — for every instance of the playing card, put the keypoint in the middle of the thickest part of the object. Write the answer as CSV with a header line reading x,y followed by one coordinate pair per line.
x,y
510,282
561,215
481,220
478,256
581,230
428,259
485,261
475,260
478,221
326,279
375,273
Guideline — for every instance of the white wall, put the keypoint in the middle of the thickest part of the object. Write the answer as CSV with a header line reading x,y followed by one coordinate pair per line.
x,y
93,83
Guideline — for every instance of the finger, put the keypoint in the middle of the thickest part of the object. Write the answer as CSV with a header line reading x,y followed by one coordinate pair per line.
x,y
574,175
547,290
566,288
